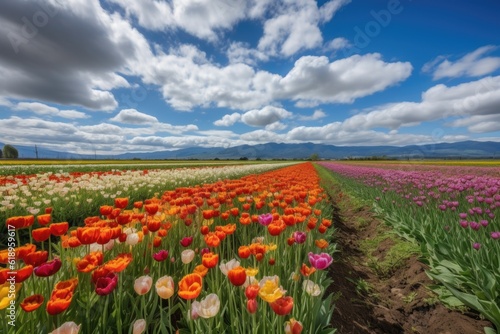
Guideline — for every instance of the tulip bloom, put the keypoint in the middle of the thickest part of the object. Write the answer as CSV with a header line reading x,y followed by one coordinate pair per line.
x,y
300,237
90,262
321,243
41,234
44,219
200,270
320,261
190,286
162,255
187,256
237,276
151,209
31,303
282,306
186,241
207,307
311,288
36,258
252,306
252,291
58,229
87,235
68,327
212,239
119,263
59,301
48,268
143,284
265,219
106,284
270,290
210,260
121,202
139,326
293,327
244,251
165,287
226,266
69,284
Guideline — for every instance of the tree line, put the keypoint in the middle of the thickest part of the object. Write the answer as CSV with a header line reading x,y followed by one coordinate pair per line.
x,y
9,152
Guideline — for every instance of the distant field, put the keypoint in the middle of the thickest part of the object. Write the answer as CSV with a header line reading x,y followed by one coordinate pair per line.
x,y
34,166
472,162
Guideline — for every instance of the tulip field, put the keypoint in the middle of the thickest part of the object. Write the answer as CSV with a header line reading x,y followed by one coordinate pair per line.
x,y
451,211
220,249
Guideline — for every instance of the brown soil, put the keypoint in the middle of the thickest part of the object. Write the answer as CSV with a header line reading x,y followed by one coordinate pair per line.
x,y
399,303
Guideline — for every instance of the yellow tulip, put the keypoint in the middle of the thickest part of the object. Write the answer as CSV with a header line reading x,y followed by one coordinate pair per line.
x,y
165,287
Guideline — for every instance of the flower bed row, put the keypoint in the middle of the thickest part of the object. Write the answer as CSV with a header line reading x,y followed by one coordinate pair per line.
x,y
452,212
234,256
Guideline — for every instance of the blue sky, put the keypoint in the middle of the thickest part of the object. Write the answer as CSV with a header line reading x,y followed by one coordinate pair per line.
x,y
114,76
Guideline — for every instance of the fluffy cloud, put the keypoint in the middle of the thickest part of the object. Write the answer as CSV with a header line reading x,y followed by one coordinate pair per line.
x,y
480,97
296,26
473,64
265,116
228,120
204,19
316,80
132,116
317,114
187,79
43,57
43,109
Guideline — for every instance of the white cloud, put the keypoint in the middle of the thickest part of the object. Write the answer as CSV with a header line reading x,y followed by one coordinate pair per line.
x,y
43,109
239,52
481,97
132,116
473,64
265,116
228,120
315,79
337,44
70,64
317,114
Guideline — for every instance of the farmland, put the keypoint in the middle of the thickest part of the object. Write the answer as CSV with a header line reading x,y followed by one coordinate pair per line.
x,y
146,247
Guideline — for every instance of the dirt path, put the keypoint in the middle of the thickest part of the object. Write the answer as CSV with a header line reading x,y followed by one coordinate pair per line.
x,y
391,301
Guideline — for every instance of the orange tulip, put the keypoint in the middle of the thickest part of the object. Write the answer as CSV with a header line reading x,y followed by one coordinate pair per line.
x,y
190,286
87,235
200,270
307,271
105,210
151,209
69,285
18,222
73,242
283,305
41,234
31,303
59,301
210,259
119,263
58,229
44,219
36,258
153,225
23,251
237,276
90,262
243,252
321,243
121,202
211,239
105,235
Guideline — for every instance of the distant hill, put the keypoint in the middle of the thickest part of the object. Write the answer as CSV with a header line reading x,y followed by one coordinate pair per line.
x,y
466,149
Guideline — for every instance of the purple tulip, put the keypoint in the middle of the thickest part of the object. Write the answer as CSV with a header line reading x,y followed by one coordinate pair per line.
x,y
265,219
320,261
299,236
161,255
48,268
476,245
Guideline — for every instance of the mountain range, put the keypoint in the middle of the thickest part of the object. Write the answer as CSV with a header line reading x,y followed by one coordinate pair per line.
x,y
466,149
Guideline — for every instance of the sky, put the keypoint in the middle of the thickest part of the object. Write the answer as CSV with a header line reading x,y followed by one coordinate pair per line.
x,y
115,76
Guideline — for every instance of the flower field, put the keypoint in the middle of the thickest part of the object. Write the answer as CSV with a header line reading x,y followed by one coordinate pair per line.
x,y
452,212
205,250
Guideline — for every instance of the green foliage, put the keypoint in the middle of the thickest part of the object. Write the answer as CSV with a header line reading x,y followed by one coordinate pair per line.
x,y
10,152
